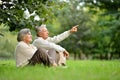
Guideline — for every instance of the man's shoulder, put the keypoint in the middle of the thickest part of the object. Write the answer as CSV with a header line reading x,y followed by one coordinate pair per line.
x,y
38,40
49,38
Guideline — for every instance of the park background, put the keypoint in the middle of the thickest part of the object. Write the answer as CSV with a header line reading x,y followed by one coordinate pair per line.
x,y
98,20
98,36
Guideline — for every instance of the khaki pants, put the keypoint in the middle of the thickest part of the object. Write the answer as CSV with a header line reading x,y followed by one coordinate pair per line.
x,y
62,59
59,58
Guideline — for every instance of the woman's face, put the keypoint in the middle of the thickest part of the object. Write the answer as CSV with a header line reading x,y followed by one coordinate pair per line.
x,y
27,38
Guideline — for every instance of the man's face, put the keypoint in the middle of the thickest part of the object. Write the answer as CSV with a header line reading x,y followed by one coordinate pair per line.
x,y
44,33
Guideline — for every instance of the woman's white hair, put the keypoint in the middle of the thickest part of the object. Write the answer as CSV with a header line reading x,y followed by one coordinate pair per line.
x,y
22,33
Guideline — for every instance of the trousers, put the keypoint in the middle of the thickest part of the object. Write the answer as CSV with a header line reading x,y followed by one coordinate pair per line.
x,y
47,58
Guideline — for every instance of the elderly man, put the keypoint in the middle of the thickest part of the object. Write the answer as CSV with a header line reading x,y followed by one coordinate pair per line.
x,y
49,44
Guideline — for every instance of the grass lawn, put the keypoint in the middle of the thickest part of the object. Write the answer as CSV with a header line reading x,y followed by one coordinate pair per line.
x,y
77,70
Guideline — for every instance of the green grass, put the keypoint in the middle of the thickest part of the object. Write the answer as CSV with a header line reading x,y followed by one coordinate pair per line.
x,y
77,70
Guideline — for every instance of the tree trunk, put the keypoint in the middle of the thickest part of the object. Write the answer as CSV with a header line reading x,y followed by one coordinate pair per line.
x,y
106,56
119,55
101,56
75,56
79,56
111,56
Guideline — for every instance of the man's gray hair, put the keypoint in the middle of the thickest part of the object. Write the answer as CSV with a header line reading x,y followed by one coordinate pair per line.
x,y
39,28
22,33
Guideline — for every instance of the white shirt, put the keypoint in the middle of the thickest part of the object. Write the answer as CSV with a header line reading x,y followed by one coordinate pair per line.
x,y
50,42
23,53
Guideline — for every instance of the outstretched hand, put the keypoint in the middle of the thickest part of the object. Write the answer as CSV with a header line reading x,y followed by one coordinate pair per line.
x,y
74,29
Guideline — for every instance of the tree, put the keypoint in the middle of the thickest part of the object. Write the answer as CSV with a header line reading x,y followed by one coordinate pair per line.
x,y
110,10
73,14
13,10
104,34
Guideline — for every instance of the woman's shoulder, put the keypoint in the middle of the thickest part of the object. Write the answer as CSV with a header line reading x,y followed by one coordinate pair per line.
x,y
22,44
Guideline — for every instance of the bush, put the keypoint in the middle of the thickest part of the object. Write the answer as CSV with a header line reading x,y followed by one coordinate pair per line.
x,y
7,42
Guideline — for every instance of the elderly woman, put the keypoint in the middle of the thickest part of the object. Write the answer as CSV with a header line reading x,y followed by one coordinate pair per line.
x,y
27,54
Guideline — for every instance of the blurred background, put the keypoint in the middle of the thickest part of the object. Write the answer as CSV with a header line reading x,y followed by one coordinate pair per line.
x,y
98,35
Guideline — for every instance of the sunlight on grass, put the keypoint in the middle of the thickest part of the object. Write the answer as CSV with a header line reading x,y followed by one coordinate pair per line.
x,y
77,70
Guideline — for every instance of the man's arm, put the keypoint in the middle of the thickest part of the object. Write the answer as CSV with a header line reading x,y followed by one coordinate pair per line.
x,y
59,38
64,35
47,45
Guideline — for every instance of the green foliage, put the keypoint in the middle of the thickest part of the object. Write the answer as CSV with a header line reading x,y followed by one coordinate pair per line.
x,y
70,16
14,10
77,70
107,24
7,42
98,20
13,13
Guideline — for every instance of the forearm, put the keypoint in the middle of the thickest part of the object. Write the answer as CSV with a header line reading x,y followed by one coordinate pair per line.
x,y
59,38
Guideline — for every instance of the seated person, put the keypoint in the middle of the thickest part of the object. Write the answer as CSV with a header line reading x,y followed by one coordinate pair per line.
x,y
28,54
50,43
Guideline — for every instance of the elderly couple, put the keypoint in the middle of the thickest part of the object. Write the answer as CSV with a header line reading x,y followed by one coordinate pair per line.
x,y
44,49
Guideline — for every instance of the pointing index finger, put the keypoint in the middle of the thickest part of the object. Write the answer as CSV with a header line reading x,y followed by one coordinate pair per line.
x,y
76,26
